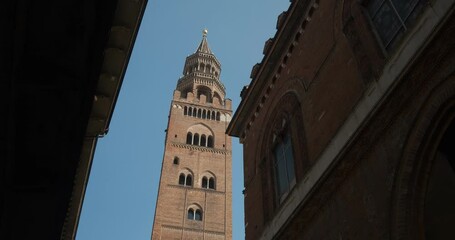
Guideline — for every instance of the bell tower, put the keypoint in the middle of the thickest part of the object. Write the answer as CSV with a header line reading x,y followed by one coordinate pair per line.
x,y
195,191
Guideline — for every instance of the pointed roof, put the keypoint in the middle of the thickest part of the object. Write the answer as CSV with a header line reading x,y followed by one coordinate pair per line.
x,y
204,45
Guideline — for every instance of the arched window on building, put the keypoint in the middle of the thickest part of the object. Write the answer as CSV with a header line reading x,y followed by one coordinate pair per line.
x,y
190,214
210,142
189,180
196,139
203,141
199,113
204,114
204,182
176,160
212,183
198,215
189,138
186,180
182,179
194,214
185,111
213,115
218,115
194,112
208,114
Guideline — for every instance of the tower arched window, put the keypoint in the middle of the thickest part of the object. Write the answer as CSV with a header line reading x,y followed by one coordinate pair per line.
x,y
186,180
199,113
194,214
191,214
185,111
202,67
204,114
198,215
182,179
211,183
203,141
213,115
189,138
194,112
210,142
196,139
189,180
204,182
208,114
218,115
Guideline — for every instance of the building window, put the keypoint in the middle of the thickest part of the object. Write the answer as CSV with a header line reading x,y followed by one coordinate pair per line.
x,y
182,179
185,180
284,166
392,18
210,142
195,214
176,160
208,183
189,138
212,183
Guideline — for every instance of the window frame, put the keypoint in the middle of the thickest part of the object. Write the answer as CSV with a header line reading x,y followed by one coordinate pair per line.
x,y
403,28
277,140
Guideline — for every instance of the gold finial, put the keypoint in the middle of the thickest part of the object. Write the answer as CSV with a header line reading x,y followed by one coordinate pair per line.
x,y
204,32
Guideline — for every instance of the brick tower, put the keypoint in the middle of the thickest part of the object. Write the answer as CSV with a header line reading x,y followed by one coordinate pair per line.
x,y
194,197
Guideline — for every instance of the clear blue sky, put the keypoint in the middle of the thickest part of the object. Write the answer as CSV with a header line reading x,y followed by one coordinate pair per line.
x,y
123,185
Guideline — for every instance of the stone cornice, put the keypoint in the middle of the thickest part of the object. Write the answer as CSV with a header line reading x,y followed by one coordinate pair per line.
x,y
201,149
193,230
211,191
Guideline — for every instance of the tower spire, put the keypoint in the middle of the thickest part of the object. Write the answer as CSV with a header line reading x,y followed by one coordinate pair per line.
x,y
204,46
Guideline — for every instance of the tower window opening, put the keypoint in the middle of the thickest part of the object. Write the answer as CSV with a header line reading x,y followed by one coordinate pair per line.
x,y
176,161
210,142
189,180
199,113
189,138
203,141
204,182
191,214
182,179
185,111
194,214
194,112
190,109
212,183
204,114
213,115
198,215
208,114
218,116
196,139
185,180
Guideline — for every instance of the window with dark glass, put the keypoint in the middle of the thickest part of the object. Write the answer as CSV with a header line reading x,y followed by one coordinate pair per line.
x,y
284,166
198,215
189,138
194,214
211,183
210,142
204,182
189,180
182,179
392,18
185,180
191,214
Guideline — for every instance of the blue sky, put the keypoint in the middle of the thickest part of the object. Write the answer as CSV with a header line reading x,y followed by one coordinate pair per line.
x,y
122,190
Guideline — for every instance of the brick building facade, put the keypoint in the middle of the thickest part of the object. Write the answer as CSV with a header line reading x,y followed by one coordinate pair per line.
x,y
348,123
194,198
